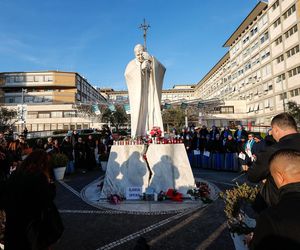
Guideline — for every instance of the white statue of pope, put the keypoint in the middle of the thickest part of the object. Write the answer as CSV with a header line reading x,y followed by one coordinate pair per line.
x,y
144,77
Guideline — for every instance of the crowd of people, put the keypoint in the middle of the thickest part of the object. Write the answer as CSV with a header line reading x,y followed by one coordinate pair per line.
x,y
223,149
82,153
27,187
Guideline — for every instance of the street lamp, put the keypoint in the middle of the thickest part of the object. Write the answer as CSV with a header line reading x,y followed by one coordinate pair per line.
x,y
23,109
282,95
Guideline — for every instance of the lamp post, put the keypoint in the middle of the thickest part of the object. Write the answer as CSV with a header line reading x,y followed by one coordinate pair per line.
x,y
282,95
23,109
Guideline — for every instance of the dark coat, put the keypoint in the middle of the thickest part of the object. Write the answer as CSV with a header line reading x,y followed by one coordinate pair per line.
x,y
230,146
213,133
225,133
278,227
260,168
243,134
26,196
258,147
216,146
67,149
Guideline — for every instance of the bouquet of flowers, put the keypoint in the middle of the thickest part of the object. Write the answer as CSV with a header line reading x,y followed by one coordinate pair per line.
x,y
114,199
174,195
161,196
155,132
201,191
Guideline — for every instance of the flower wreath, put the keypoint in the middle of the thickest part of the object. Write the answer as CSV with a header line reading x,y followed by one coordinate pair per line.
x,y
235,199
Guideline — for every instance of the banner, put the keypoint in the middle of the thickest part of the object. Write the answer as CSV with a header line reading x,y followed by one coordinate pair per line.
x,y
200,105
183,105
127,108
95,109
167,106
112,107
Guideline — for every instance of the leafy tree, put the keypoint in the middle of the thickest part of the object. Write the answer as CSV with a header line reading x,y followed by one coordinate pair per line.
x,y
117,118
174,117
294,110
7,118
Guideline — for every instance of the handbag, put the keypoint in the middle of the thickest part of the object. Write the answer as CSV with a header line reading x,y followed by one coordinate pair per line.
x,y
46,229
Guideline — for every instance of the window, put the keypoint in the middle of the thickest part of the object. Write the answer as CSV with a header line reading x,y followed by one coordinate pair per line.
x,y
248,66
246,39
70,114
240,72
44,115
10,100
277,22
280,58
265,54
280,78
283,96
53,126
278,40
275,5
10,79
264,37
291,31
253,31
294,71
19,78
255,46
48,78
266,70
29,78
47,126
294,92
38,78
32,115
270,86
223,110
227,109
292,51
289,12
56,114
255,60
246,52
40,127
266,103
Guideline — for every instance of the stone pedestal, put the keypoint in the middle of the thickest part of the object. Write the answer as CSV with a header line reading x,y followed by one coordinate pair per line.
x,y
169,167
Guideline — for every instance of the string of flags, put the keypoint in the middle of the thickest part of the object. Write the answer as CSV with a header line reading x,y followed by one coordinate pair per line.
x,y
166,106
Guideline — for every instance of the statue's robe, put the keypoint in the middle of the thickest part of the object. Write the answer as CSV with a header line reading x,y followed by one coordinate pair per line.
x,y
144,90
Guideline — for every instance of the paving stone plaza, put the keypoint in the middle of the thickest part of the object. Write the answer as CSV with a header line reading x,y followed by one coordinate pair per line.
x,y
100,225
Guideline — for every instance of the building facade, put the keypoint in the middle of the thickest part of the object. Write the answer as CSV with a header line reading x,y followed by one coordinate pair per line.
x,y
261,69
178,92
52,99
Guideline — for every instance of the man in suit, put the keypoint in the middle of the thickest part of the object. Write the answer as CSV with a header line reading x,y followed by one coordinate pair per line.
x,y
278,227
284,131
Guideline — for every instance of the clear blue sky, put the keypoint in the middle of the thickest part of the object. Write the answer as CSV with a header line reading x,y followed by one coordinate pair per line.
x,y
96,37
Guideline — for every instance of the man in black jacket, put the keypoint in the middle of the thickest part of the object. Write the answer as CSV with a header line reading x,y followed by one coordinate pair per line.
x,y
284,131
278,227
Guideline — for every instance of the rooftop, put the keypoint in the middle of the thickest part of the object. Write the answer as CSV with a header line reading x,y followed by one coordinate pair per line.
x,y
260,6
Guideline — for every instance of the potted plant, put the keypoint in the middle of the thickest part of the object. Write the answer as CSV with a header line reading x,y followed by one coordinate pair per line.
x,y
236,201
59,163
